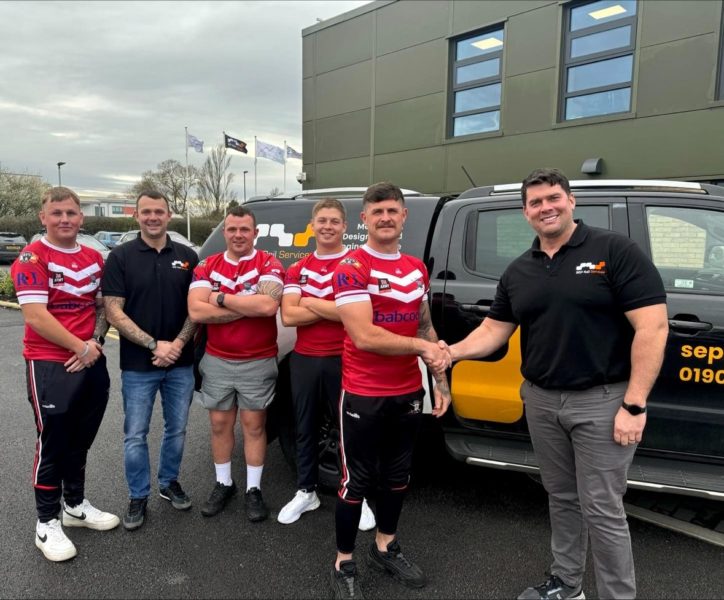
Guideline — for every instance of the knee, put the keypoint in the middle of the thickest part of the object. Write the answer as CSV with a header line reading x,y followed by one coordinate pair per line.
x,y
254,431
221,427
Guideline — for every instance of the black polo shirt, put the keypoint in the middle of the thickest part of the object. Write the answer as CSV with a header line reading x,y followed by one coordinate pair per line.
x,y
570,308
155,286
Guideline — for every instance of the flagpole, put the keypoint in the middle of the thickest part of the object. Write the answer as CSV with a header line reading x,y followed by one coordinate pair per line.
x,y
284,187
186,185
255,159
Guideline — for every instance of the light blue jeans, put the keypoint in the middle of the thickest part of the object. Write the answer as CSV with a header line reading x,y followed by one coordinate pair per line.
x,y
139,395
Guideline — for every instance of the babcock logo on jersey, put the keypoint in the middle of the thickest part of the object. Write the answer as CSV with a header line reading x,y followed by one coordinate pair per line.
x,y
589,268
396,317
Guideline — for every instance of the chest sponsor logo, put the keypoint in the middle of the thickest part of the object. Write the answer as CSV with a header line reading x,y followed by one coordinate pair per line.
x,y
58,279
384,285
589,268
396,317
215,286
180,264
303,280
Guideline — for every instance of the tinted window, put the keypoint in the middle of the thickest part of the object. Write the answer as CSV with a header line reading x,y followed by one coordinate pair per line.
x,y
502,235
687,247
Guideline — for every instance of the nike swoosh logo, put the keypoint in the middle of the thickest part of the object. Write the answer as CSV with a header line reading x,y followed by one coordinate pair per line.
x,y
42,538
80,518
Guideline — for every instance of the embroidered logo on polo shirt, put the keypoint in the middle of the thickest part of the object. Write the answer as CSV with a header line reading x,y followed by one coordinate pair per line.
x,y
589,268
180,264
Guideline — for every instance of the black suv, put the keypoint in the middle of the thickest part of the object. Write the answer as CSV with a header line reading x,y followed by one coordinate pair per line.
x,y
467,242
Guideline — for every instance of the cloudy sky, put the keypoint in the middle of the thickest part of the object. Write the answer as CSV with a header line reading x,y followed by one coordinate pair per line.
x,y
108,87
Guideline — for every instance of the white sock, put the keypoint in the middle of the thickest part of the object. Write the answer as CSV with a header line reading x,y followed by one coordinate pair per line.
x,y
223,472
253,476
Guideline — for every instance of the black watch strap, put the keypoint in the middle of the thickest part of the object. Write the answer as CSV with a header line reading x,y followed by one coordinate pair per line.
x,y
100,339
634,409
220,298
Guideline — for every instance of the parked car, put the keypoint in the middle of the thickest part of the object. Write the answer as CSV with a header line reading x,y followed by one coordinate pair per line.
x,y
175,236
467,241
109,238
11,244
84,239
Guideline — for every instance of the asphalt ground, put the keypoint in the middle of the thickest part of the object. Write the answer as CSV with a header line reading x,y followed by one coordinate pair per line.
x,y
477,533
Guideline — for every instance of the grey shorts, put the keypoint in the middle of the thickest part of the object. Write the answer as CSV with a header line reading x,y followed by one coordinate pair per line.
x,y
248,384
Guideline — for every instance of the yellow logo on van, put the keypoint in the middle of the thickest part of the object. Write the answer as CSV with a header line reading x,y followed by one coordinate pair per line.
x,y
285,239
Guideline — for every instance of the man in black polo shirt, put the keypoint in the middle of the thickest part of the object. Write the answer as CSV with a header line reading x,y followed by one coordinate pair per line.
x,y
592,313
145,284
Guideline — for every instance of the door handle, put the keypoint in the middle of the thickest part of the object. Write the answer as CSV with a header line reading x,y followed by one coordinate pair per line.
x,y
476,308
690,325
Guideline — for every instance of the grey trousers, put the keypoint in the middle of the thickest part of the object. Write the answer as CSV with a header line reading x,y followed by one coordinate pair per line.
x,y
584,472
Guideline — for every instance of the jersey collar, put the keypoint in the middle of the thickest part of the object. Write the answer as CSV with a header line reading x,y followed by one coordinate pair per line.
x,y
45,241
331,256
231,261
380,255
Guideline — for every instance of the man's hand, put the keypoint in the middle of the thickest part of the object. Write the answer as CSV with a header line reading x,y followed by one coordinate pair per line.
x,y
627,428
442,399
166,353
436,356
84,358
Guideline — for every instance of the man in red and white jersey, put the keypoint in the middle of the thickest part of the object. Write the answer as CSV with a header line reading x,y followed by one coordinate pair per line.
x,y
57,283
315,363
236,293
381,297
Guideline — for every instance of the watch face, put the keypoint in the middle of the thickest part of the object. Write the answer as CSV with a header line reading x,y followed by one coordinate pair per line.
x,y
634,409
152,345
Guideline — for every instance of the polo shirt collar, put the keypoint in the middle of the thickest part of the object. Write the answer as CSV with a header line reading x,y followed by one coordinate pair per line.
x,y
145,247
579,235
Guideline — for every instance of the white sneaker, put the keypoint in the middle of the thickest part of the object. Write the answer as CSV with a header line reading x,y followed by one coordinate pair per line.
x,y
367,518
301,503
52,541
87,515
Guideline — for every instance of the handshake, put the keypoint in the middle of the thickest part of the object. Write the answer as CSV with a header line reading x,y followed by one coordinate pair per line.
x,y
437,356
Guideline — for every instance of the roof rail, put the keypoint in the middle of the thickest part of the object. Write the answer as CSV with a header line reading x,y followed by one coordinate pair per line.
x,y
635,184
340,191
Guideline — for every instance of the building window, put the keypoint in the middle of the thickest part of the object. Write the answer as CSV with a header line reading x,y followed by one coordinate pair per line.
x,y
600,39
116,210
720,93
475,89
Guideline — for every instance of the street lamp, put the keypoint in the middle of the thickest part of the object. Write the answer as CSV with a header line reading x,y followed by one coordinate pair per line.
x,y
245,172
60,164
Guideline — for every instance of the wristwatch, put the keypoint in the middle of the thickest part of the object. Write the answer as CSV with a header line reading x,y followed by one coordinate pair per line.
x,y
634,409
152,345
100,339
220,298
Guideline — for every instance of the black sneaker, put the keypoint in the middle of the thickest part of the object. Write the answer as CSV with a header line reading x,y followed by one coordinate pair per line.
x,y
344,581
256,510
136,514
553,589
218,498
395,564
176,496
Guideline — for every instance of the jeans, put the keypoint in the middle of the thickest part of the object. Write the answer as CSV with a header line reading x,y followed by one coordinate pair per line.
x,y
139,394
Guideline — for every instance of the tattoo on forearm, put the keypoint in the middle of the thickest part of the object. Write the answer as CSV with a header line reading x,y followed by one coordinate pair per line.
x,y
425,330
227,317
441,381
101,327
187,331
270,288
120,320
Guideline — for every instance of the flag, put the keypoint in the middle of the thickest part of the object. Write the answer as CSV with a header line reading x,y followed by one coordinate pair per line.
x,y
234,144
194,142
274,153
292,153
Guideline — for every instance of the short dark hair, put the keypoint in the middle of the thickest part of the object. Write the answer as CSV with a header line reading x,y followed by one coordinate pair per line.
x,y
384,190
58,194
329,203
240,211
154,195
547,175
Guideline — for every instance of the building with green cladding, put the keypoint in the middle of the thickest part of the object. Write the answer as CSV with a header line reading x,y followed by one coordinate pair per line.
x,y
417,92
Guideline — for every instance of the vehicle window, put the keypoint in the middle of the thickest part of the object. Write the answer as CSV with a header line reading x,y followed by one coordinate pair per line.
x,y
502,235
687,247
